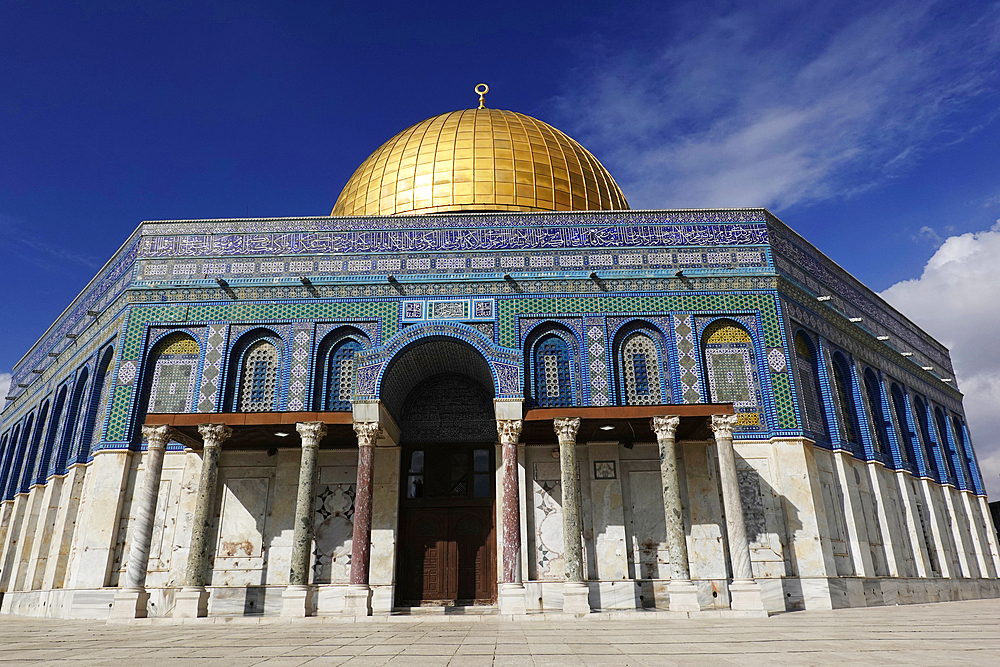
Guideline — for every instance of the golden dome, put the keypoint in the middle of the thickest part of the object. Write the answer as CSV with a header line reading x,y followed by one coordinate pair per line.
x,y
479,160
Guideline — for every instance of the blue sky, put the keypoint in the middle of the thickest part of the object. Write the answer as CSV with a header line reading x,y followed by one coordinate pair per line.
x,y
871,129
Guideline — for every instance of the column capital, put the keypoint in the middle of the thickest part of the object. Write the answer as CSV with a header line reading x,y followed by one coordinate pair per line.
x,y
157,436
566,427
213,435
509,430
722,425
368,433
311,433
665,427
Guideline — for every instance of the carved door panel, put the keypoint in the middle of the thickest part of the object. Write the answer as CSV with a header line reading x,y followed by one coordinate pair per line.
x,y
471,533
425,557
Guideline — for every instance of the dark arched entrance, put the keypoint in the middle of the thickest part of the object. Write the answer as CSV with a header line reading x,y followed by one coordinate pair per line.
x,y
447,542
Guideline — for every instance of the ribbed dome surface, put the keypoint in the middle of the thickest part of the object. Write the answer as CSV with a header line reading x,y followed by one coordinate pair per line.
x,y
479,160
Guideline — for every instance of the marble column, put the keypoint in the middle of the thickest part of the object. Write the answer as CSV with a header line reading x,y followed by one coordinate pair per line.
x,y
683,594
575,592
192,599
512,600
131,599
357,599
744,592
297,596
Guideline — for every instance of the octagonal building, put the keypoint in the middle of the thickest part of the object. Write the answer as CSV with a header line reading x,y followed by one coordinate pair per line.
x,y
484,384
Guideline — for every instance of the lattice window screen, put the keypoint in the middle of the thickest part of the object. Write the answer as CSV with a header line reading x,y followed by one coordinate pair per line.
x,y
340,375
260,378
552,382
641,368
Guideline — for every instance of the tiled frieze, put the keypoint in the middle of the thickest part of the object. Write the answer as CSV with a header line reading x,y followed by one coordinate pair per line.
x,y
598,361
584,219
688,377
298,388
441,240
211,375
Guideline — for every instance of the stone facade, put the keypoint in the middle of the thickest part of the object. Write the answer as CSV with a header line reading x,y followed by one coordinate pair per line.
x,y
844,448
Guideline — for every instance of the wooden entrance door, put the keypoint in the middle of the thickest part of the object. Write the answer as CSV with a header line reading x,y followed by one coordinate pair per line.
x,y
447,538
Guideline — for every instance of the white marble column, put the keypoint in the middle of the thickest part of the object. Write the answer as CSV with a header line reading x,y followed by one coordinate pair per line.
x,y
744,591
575,592
358,598
297,596
132,598
683,594
512,600
192,599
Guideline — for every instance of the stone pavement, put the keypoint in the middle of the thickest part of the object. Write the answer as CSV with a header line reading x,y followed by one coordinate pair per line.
x,y
947,633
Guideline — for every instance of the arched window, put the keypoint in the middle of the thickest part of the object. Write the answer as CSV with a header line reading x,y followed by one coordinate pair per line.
x,y
903,426
920,408
72,427
731,370
339,374
808,367
258,378
873,392
551,372
850,428
98,400
31,456
14,473
10,454
944,442
42,470
175,368
5,456
640,366
968,463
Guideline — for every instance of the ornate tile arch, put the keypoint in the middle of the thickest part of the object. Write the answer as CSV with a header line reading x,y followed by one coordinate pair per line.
x,y
506,365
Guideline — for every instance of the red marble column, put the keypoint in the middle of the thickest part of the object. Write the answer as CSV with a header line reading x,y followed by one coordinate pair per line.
x,y
509,430
368,433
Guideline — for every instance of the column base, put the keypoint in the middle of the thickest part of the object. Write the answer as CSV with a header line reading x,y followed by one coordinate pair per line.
x,y
512,600
296,601
358,600
576,598
683,596
191,602
744,595
130,603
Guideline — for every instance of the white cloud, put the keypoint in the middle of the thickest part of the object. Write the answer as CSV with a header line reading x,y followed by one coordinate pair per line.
x,y
761,108
957,300
4,387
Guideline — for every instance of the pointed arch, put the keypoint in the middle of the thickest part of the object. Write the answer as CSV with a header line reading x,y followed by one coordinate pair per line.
x,y
947,450
252,380
45,458
95,408
879,422
847,406
72,430
807,362
640,356
731,369
904,428
551,372
334,381
920,408
14,472
10,457
31,456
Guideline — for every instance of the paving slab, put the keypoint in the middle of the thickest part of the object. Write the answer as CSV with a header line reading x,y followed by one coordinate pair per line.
x,y
963,633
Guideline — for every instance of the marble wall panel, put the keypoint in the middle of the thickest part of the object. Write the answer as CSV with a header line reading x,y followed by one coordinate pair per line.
x,y
548,526
93,553
63,527
703,510
608,524
334,524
